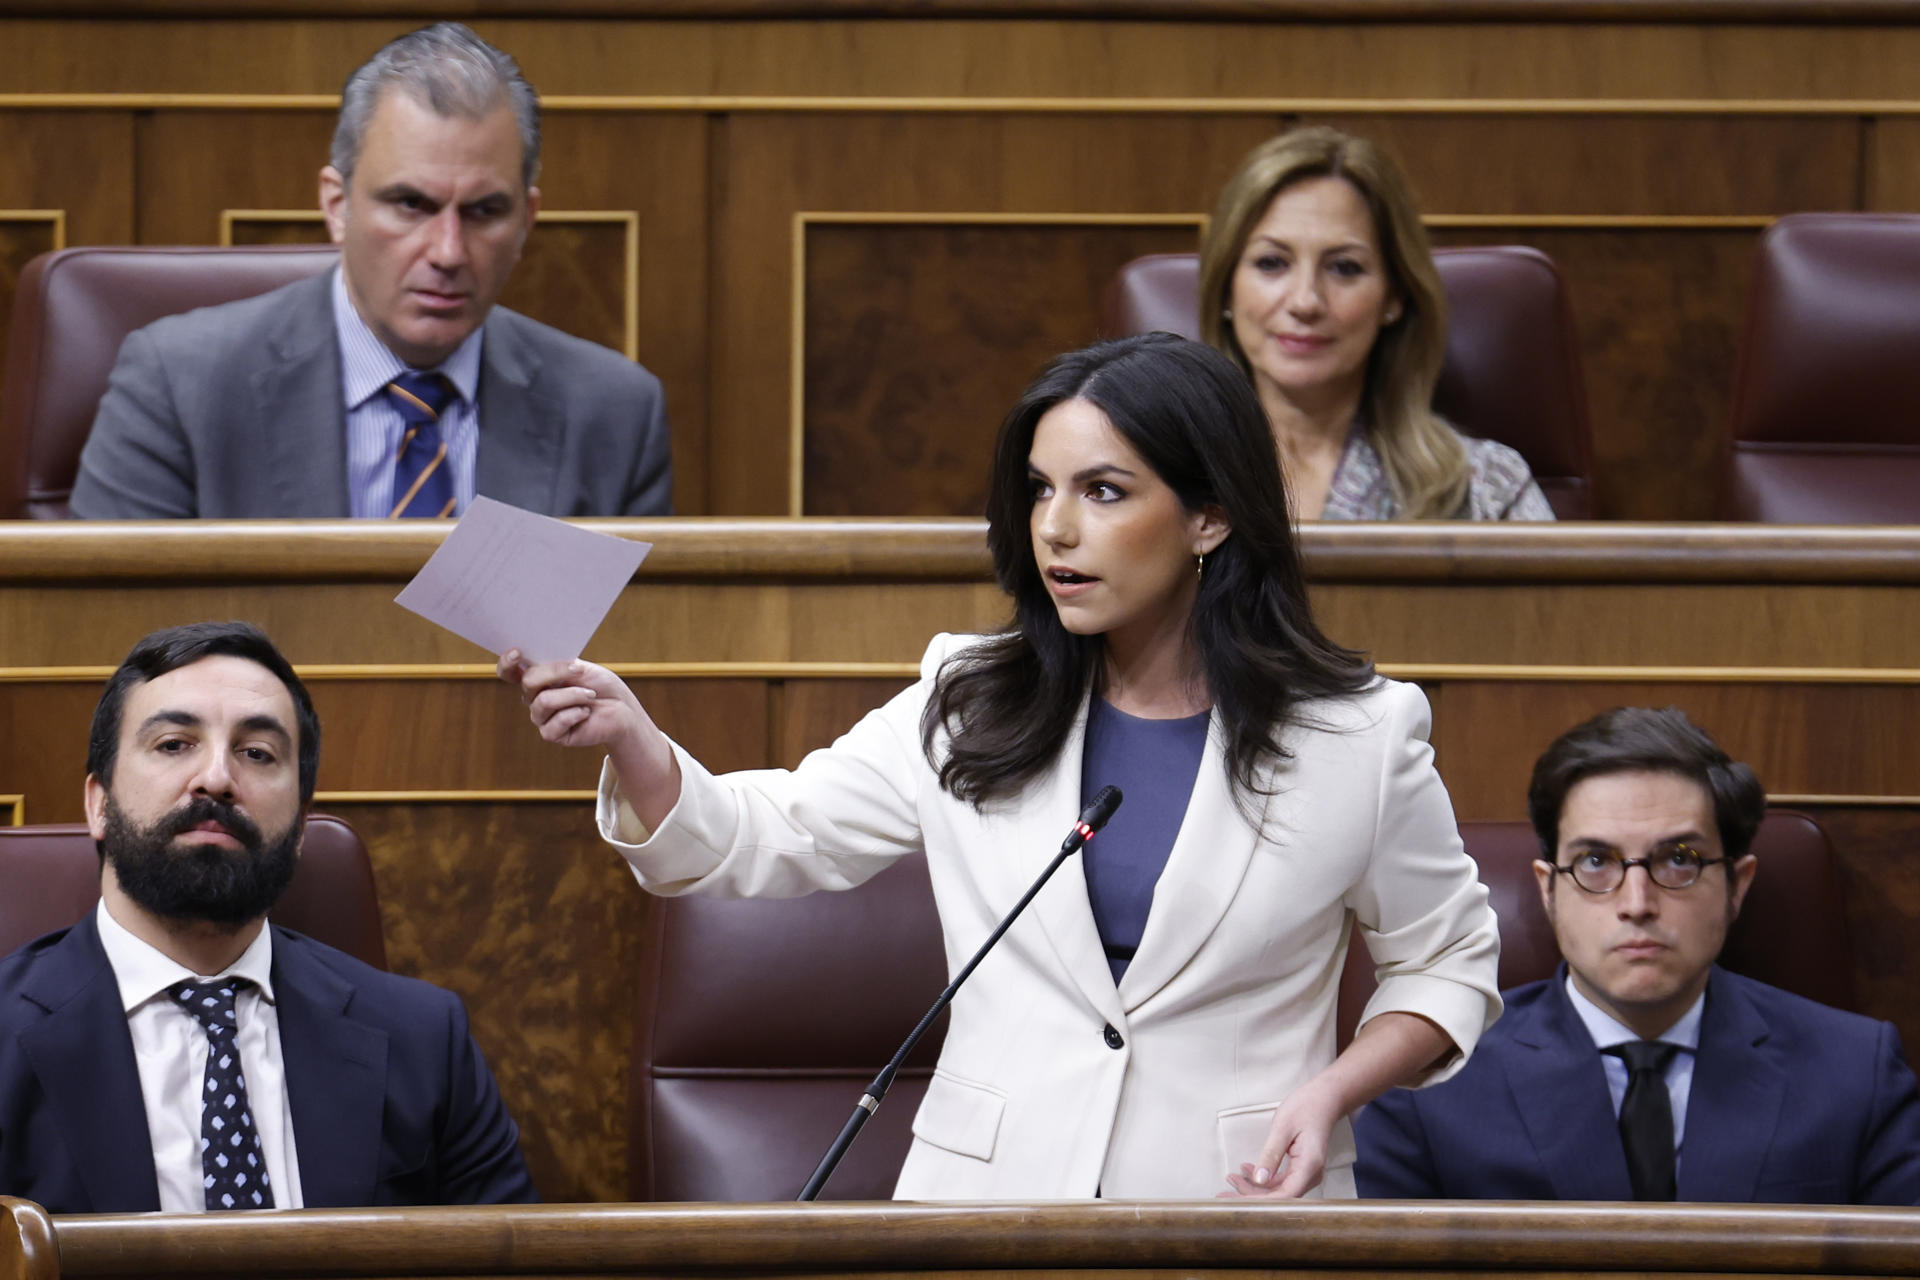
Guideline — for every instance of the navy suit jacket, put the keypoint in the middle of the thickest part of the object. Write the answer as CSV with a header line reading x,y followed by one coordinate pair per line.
x,y
1792,1102
392,1104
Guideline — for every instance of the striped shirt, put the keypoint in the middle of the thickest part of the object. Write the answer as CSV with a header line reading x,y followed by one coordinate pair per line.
x,y
374,426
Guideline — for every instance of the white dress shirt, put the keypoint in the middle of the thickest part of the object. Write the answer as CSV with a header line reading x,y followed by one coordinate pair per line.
x,y
374,425
1607,1032
171,1050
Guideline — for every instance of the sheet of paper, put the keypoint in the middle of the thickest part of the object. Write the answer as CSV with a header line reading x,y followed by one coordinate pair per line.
x,y
510,579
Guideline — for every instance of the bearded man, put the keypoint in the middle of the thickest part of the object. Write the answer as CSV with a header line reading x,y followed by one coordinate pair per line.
x,y
173,1052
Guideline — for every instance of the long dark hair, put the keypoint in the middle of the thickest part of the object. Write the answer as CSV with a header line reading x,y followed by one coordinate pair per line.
x,y
1007,704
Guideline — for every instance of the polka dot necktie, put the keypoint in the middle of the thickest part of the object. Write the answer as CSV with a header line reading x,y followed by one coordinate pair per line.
x,y
422,479
1646,1118
235,1172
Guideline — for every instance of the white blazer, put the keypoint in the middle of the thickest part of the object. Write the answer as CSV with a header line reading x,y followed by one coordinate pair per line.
x,y
1053,1083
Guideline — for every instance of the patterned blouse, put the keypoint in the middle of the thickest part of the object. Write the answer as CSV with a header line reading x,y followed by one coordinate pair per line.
x,y
1500,486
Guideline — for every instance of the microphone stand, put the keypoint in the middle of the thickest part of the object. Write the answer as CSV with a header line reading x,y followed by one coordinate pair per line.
x,y
871,1099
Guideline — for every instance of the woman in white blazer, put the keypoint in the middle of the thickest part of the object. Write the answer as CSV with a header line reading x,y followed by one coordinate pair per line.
x,y
1170,1041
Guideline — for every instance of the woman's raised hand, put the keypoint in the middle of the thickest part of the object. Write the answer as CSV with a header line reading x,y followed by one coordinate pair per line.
x,y
581,704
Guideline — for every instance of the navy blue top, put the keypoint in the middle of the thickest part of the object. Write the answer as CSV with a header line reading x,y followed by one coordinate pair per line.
x,y
1154,763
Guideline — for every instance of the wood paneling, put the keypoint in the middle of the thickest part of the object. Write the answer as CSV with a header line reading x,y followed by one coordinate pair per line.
x,y
525,914
810,714
656,166
919,337
1619,164
1801,739
779,166
1893,166
1015,56
1658,315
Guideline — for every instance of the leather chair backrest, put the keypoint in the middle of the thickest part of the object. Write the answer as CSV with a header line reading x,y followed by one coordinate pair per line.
x,y
1791,933
761,1023
1512,370
51,876
1825,425
71,311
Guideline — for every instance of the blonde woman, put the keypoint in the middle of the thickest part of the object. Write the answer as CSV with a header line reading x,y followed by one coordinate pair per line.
x,y
1317,279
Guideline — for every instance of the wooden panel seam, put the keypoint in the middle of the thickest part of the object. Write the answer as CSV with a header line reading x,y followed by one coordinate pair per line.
x,y
57,217
843,104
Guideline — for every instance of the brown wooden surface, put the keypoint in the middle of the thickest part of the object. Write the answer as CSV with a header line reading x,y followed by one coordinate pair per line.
x,y
1743,11
919,337
1083,1239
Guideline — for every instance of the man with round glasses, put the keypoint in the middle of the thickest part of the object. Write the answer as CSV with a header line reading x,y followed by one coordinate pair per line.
x,y
1641,1070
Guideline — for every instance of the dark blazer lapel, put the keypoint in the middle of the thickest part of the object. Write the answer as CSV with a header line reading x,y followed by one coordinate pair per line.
x,y
297,414
1203,873
1560,1088
522,421
1734,1104
82,1054
336,1078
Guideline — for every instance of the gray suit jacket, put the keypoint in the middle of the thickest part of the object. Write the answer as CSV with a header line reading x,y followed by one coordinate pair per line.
x,y
235,411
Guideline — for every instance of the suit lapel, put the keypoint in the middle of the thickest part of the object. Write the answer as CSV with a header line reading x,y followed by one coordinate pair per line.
x,y
1560,1087
522,422
297,414
1734,1103
1063,908
336,1078
82,1054
1203,872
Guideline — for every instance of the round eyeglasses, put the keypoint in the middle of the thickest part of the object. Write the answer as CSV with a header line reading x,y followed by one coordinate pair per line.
x,y
1671,866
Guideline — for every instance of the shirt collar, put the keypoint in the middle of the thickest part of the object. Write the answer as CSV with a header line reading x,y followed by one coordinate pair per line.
x,y
143,972
1607,1032
366,364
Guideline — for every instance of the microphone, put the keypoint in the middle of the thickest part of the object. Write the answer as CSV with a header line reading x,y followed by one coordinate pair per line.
x,y
1091,819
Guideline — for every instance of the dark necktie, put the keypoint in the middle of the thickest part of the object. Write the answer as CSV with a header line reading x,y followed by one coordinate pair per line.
x,y
422,480
235,1173
1646,1118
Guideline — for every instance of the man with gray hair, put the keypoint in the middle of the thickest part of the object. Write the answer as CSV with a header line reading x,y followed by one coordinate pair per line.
x,y
392,385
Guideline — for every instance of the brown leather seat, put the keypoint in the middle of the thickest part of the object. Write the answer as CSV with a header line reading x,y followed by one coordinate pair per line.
x,y
52,879
71,311
1792,930
760,1023
1512,370
1825,426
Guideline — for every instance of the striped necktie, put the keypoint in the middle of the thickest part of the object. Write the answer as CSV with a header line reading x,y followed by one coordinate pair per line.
x,y
422,477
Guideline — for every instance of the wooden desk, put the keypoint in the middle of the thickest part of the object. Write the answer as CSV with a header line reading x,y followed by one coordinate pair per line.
x,y
754,641
1084,1240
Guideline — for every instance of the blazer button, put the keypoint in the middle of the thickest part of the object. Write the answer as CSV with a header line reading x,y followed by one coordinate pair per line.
x,y
1112,1037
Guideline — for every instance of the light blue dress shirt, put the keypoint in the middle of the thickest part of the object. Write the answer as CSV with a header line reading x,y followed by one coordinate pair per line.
x,y
374,426
1606,1033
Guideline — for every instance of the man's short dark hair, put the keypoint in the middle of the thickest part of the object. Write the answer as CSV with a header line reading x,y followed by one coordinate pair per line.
x,y
177,647
1643,740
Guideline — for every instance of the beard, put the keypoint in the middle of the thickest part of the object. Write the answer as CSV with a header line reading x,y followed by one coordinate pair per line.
x,y
200,882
